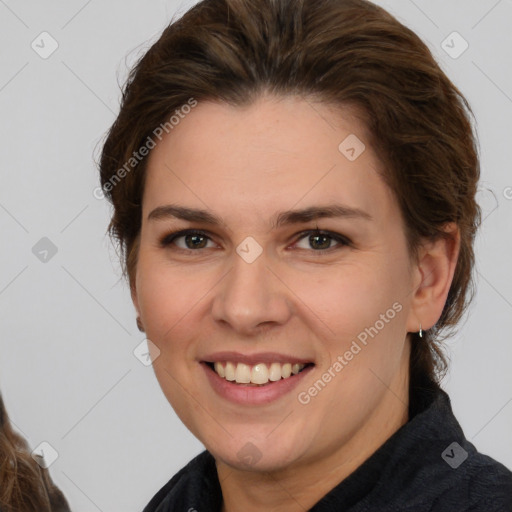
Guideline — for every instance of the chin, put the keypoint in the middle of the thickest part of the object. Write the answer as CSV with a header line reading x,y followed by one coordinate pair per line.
x,y
259,453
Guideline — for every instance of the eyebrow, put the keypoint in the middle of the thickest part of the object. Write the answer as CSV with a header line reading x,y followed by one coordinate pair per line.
x,y
283,218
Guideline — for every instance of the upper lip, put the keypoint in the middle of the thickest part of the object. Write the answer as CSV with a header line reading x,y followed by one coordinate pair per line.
x,y
252,359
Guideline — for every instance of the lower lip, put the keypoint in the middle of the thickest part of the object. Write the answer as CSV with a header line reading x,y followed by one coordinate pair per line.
x,y
253,395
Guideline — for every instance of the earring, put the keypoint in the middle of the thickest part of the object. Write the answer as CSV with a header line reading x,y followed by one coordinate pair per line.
x,y
139,324
421,332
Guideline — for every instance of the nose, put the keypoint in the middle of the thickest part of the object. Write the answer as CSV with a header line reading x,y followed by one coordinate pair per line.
x,y
251,296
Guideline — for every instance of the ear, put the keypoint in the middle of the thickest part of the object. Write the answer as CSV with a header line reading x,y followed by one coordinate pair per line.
x,y
432,277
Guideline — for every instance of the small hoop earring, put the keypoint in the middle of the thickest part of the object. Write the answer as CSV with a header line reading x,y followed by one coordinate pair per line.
x,y
139,324
421,332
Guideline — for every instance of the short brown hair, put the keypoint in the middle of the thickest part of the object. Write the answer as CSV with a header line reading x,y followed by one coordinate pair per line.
x,y
340,52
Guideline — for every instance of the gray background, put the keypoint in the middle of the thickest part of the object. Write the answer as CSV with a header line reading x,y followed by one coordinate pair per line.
x,y
67,331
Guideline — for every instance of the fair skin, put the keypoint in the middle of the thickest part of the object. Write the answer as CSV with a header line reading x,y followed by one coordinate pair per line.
x,y
245,164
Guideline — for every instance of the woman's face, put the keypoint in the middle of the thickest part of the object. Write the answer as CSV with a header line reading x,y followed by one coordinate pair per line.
x,y
257,290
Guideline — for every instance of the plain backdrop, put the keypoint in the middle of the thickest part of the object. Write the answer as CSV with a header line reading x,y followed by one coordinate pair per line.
x,y
67,326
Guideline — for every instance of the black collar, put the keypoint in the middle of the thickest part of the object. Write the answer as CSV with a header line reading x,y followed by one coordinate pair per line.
x,y
410,471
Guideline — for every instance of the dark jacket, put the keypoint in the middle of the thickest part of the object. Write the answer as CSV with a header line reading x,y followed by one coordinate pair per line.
x,y
427,465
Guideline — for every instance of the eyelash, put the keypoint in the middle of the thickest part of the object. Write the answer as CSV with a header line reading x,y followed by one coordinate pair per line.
x,y
169,238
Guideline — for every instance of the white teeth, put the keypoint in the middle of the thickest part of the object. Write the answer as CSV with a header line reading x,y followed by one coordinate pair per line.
x,y
286,370
220,369
274,372
257,374
243,373
230,371
295,368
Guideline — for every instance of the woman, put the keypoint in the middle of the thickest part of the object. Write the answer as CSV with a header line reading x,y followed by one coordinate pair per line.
x,y
24,485
293,185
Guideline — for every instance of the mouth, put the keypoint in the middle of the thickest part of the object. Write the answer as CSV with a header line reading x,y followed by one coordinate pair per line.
x,y
258,375
255,385
254,379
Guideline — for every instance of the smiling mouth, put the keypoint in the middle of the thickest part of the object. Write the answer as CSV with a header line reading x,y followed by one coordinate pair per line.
x,y
259,374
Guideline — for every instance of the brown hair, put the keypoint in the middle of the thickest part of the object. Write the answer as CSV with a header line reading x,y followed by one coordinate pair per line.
x,y
340,52
24,485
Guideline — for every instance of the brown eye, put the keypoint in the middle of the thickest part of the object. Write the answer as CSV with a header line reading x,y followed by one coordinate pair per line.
x,y
192,240
321,241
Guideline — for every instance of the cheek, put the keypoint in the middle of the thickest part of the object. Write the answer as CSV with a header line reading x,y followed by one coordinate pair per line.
x,y
171,302
351,297
169,297
364,307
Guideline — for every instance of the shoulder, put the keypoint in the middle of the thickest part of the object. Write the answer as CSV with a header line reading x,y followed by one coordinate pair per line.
x,y
480,484
446,478
464,480
476,480
489,484
435,468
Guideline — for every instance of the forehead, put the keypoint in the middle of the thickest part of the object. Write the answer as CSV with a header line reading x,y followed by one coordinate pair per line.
x,y
267,156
